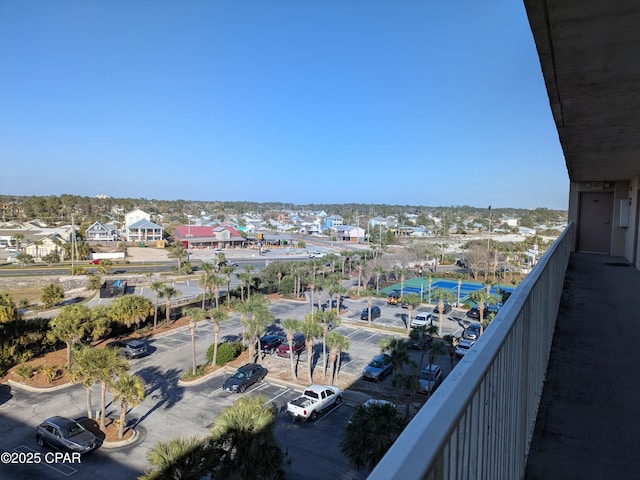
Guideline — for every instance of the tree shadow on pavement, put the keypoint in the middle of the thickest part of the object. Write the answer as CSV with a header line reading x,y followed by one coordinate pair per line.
x,y
161,386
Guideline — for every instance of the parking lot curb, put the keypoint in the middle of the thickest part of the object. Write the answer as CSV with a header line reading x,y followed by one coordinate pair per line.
x,y
28,388
208,376
121,443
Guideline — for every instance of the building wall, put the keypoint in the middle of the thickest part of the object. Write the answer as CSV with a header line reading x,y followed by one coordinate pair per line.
x,y
622,238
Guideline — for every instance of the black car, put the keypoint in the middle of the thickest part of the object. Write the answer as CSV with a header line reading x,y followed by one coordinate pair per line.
x,y
269,343
246,376
375,313
461,264
65,434
474,313
446,309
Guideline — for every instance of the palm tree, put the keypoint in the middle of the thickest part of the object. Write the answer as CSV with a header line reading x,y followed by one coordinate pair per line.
x,y
311,330
52,294
207,271
378,271
247,278
244,436
326,319
8,310
130,309
216,282
83,370
483,298
409,384
291,326
442,296
412,301
398,349
254,317
157,288
70,326
168,292
370,433
195,314
437,348
129,392
227,272
177,250
343,345
181,459
108,363
218,316
402,273
338,290
422,337
336,342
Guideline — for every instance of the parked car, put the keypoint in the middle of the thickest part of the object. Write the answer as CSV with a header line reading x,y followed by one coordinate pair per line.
x,y
269,343
218,251
422,319
463,347
129,348
394,297
65,434
430,378
446,309
379,367
416,337
314,399
244,377
472,332
461,264
298,345
474,313
375,313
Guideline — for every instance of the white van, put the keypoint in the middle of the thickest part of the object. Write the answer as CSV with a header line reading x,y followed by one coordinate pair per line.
x,y
422,319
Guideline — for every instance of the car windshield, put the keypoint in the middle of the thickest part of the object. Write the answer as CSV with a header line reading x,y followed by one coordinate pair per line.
x,y
72,430
239,374
427,376
375,364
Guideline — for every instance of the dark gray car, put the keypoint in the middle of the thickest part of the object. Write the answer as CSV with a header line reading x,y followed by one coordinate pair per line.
x,y
379,367
65,434
129,348
246,376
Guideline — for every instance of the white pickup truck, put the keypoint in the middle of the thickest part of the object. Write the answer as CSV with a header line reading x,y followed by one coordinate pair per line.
x,y
314,400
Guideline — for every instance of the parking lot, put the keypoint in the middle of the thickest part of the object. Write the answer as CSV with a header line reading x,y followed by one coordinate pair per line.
x,y
171,410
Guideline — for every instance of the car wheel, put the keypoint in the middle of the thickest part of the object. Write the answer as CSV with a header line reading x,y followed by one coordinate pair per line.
x,y
313,415
127,356
339,400
241,388
40,440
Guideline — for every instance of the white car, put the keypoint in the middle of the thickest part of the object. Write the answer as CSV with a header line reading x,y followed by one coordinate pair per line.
x,y
463,347
317,254
422,319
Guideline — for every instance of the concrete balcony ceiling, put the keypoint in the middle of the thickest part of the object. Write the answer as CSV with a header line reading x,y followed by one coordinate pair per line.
x,y
589,51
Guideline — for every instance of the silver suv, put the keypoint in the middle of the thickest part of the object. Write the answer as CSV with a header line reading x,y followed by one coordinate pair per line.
x,y
63,433
129,348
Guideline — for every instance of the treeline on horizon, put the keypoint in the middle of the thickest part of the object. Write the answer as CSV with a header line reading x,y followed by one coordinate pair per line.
x,y
58,210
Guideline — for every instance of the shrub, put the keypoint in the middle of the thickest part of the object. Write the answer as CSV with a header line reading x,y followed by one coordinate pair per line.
x,y
190,376
24,371
49,372
227,352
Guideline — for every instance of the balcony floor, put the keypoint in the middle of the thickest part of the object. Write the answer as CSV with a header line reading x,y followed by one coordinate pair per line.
x,y
588,424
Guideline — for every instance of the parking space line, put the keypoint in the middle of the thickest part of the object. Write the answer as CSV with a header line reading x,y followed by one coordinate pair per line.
x,y
279,395
326,414
371,336
72,471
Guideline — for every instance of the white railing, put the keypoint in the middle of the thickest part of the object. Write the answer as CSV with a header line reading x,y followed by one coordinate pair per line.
x,y
480,421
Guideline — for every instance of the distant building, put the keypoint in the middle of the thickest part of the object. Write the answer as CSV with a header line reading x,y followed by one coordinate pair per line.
x,y
100,232
220,236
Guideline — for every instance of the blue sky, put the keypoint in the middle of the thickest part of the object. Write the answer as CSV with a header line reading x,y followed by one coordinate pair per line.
x,y
431,103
